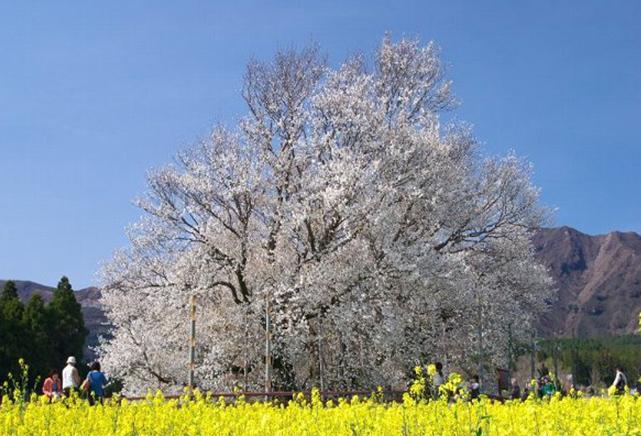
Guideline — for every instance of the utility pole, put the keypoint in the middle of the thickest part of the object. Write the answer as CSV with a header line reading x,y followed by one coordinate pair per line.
x,y
557,352
573,360
510,346
268,347
480,339
320,356
479,308
245,353
192,341
533,355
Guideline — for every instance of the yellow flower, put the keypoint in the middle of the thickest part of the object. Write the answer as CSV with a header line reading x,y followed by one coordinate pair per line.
x,y
431,370
571,415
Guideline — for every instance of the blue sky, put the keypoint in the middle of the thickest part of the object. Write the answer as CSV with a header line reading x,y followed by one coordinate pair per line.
x,y
94,94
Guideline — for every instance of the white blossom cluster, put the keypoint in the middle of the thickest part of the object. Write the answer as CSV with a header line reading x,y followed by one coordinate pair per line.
x,y
380,236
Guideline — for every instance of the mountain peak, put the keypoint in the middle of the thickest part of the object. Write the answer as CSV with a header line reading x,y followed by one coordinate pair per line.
x,y
599,281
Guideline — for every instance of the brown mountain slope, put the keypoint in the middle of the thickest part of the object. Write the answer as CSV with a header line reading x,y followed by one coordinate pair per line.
x,y
89,299
599,281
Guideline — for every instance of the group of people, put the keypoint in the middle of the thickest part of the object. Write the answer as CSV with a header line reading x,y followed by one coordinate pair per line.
x,y
93,386
545,385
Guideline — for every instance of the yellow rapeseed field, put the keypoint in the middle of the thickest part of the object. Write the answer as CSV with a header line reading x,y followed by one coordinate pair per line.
x,y
206,416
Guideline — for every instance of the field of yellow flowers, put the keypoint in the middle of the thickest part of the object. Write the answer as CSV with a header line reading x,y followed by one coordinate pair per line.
x,y
205,416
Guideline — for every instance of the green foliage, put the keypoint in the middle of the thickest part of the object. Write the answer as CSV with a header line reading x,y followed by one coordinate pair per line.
x,y
587,357
42,335
67,322
12,331
37,321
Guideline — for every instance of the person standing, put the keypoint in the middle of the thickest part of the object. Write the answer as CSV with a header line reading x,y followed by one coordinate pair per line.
x,y
515,391
475,387
70,377
97,381
547,388
438,377
437,380
620,381
52,387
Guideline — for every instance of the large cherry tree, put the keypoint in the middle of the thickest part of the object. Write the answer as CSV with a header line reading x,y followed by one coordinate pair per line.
x,y
379,236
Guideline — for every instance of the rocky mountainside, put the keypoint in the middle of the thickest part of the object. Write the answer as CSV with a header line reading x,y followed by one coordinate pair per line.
x,y
599,282
598,277
89,299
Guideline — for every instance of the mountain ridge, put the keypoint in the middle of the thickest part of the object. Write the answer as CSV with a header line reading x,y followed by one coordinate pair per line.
x,y
598,279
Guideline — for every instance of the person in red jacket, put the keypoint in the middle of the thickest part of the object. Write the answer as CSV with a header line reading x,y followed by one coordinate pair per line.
x,y
52,386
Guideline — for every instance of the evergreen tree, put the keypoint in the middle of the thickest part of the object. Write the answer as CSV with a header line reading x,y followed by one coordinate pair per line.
x,y
39,352
11,330
68,325
11,307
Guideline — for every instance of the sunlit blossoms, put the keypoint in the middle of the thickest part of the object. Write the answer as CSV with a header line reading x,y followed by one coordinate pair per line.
x,y
379,235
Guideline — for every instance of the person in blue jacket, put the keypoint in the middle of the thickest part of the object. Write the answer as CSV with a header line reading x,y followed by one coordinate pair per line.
x,y
97,381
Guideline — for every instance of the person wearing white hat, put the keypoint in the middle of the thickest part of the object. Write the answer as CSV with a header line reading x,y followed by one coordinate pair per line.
x,y
70,377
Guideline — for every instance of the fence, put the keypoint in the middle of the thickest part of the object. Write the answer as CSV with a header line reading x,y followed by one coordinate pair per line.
x,y
285,396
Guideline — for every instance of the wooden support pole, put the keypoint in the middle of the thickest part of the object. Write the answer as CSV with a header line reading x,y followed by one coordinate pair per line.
x,y
268,347
320,357
192,341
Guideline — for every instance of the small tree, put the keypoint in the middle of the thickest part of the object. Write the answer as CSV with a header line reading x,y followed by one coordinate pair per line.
x,y
67,322
39,352
11,329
